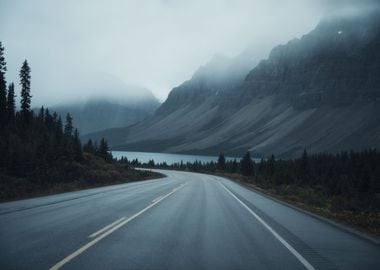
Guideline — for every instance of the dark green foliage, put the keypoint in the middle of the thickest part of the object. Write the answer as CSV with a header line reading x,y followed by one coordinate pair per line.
x,y
350,180
246,165
89,147
11,103
221,162
42,152
35,147
69,126
3,88
25,91
39,149
347,181
103,151
233,166
38,155
151,163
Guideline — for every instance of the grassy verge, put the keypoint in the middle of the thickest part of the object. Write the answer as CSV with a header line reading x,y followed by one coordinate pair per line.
x,y
94,172
315,202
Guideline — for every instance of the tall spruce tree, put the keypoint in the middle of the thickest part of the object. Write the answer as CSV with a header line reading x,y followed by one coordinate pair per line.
x,y
234,166
89,147
304,162
221,162
68,146
3,87
246,165
41,115
25,90
68,126
11,104
58,132
103,150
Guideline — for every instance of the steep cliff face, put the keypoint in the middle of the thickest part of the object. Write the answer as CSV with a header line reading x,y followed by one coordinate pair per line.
x,y
336,63
320,92
219,75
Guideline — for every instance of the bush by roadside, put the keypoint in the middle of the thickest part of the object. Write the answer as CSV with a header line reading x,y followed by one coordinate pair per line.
x,y
93,172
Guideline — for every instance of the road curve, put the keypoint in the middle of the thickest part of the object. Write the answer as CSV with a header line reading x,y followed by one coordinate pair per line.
x,y
183,221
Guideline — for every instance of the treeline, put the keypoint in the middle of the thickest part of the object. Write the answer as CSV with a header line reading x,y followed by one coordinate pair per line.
x,y
344,186
350,174
40,153
38,146
345,181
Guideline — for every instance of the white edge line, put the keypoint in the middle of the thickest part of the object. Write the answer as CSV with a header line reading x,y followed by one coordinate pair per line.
x,y
94,241
275,234
156,199
106,227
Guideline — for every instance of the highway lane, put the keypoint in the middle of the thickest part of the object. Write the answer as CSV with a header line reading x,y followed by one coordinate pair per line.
x,y
183,221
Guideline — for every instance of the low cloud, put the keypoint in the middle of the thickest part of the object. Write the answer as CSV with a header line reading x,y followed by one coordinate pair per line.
x,y
155,44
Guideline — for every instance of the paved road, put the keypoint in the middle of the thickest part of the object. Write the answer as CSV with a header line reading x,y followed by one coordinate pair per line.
x,y
183,221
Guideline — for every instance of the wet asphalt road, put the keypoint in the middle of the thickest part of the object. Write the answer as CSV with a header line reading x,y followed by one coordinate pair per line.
x,y
183,221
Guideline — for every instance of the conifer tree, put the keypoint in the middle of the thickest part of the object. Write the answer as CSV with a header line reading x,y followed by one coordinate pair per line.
x,y
3,87
89,147
58,130
103,151
11,104
25,90
78,155
68,126
67,142
221,162
304,162
234,166
247,165
41,115
59,126
271,164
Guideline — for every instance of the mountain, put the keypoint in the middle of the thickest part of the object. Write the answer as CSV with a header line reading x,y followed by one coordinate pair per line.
x,y
94,111
103,113
320,92
221,74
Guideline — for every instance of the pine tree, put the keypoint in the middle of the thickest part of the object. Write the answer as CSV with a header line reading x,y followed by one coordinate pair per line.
x,y
3,87
25,90
67,140
271,164
221,162
11,104
247,165
68,126
89,147
103,150
41,115
304,162
151,163
234,166
58,130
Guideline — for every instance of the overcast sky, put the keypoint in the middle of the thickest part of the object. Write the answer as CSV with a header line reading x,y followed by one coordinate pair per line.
x,y
72,44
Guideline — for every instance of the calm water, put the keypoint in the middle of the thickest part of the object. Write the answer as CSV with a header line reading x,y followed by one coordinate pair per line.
x,y
169,158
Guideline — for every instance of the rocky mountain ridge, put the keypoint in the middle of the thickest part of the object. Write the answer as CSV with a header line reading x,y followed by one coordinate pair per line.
x,y
320,92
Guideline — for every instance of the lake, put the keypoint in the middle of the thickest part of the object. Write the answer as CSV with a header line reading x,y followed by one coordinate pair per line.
x,y
165,157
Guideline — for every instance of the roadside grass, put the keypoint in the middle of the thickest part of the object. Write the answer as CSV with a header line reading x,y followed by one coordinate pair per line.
x,y
336,208
94,172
